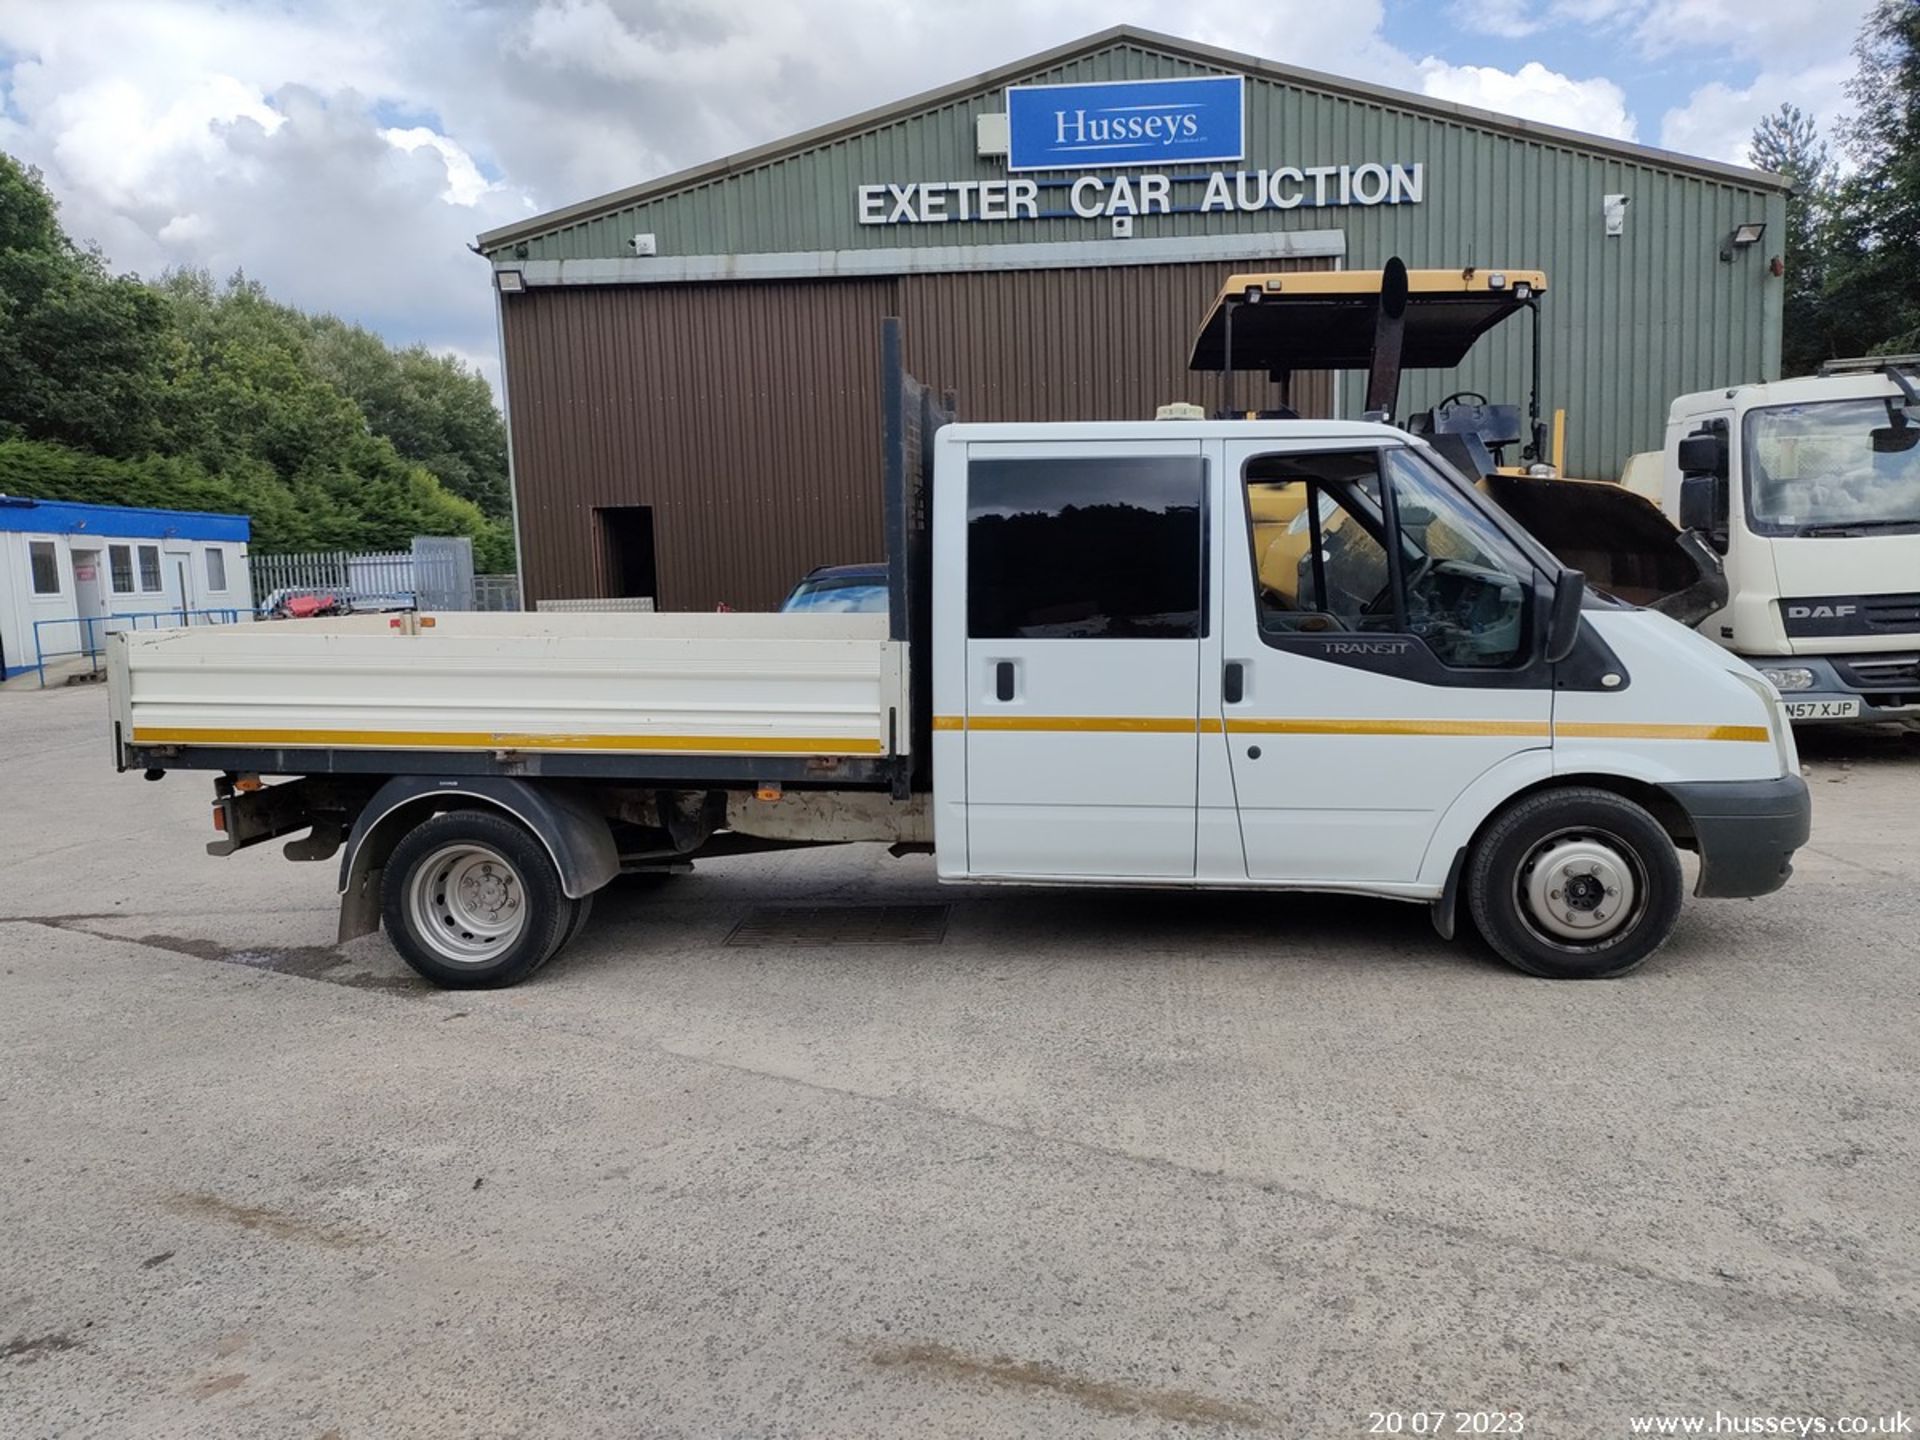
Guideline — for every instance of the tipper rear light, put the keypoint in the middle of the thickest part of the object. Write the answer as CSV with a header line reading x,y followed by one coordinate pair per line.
x,y
220,818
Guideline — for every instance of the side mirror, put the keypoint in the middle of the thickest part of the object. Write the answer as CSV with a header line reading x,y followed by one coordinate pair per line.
x,y
1894,439
1563,614
1703,507
1703,453
1696,503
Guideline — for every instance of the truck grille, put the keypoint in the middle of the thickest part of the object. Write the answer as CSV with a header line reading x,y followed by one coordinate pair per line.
x,y
1891,612
1882,672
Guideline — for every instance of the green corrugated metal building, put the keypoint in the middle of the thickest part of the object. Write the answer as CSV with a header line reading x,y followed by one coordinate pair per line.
x,y
691,364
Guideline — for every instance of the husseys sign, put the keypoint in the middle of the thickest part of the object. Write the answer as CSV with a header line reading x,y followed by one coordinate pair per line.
x,y
1164,128
1126,122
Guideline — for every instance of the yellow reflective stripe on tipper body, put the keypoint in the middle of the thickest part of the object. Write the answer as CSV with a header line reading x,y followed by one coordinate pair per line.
x,y
507,740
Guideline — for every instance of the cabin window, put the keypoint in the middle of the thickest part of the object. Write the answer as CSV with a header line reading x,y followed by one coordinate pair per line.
x,y
1086,549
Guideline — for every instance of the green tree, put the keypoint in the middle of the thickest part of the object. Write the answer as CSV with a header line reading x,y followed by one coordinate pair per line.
x,y
434,409
1872,290
192,395
1788,143
81,352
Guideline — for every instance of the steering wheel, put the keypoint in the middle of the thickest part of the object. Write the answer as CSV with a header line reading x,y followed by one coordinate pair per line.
x,y
1382,603
1474,395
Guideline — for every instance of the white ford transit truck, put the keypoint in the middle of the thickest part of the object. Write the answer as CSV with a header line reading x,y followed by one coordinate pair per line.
x,y
1268,654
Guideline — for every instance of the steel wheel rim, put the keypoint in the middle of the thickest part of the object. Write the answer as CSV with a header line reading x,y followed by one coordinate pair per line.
x,y
468,903
1581,889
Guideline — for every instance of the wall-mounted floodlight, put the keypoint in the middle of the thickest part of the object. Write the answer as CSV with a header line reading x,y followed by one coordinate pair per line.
x,y
1745,235
511,282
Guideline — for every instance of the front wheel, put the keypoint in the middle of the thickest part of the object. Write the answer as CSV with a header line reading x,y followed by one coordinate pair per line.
x,y
472,901
1575,884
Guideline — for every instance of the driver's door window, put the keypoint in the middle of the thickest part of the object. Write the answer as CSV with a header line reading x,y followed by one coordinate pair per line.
x,y
1320,526
1320,564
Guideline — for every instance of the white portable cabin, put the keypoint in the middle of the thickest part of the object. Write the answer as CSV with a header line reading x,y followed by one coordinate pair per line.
x,y
72,572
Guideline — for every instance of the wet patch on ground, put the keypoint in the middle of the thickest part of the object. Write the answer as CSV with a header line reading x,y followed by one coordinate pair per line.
x,y
305,962
1109,1397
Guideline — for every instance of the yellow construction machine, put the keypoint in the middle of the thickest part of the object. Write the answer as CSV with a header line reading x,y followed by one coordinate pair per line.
x,y
1394,319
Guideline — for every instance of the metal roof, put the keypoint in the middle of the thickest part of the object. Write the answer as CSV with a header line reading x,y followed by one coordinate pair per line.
x,y
1117,35
118,522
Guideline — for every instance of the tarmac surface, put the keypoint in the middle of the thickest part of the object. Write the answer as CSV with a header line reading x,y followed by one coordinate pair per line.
x,y
1049,1163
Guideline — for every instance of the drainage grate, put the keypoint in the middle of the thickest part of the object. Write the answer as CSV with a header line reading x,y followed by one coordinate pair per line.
x,y
842,925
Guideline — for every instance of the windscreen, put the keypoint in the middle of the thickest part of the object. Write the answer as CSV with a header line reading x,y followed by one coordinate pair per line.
x,y
1835,467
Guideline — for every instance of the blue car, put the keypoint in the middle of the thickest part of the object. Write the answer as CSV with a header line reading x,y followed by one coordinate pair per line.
x,y
840,590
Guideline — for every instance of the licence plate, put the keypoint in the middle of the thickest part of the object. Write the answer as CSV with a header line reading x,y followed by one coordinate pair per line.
x,y
1823,709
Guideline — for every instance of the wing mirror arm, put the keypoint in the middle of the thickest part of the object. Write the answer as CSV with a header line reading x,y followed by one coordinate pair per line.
x,y
1563,615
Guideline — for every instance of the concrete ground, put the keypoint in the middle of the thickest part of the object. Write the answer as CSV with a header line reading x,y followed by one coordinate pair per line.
x,y
1091,1165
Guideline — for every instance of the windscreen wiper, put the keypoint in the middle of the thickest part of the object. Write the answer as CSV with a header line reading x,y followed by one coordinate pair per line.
x,y
1855,527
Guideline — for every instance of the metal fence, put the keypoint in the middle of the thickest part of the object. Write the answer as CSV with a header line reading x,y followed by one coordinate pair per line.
x,y
496,592
436,574
364,575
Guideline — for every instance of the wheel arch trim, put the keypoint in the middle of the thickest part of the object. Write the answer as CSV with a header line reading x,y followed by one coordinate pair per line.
x,y
575,836
1521,775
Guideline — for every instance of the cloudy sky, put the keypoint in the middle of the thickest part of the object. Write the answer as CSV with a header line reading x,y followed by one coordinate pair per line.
x,y
346,152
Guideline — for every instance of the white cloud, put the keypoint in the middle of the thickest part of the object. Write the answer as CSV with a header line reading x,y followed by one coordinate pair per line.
x,y
1509,19
1718,119
1761,30
465,184
1535,93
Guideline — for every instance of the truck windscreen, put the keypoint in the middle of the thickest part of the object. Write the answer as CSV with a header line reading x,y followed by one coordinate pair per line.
x,y
1818,470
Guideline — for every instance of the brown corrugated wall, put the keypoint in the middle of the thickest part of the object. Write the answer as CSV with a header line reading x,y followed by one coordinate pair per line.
x,y
747,415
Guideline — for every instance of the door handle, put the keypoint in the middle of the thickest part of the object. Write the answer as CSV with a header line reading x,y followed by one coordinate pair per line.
x,y
1233,683
1003,680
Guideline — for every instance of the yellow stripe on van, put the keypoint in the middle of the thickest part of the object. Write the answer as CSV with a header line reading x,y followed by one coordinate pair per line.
x,y
1122,724
504,740
1624,730
1319,726
1525,729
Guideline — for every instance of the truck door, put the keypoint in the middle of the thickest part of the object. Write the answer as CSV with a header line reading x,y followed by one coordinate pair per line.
x,y
1381,644
1085,609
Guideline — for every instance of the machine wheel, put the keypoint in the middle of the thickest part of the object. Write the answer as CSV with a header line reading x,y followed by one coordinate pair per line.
x,y
472,901
1574,884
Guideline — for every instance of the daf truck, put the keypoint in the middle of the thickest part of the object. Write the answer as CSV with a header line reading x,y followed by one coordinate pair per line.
x,y
1810,490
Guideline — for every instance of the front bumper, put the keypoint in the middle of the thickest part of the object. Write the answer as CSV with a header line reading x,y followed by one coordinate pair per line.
x,y
1746,832
1876,687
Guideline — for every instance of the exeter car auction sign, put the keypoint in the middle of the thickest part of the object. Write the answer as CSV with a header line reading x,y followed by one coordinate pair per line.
x,y
1138,125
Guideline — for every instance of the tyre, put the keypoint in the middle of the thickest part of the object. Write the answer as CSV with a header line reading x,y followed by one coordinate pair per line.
x,y
1574,884
582,908
472,901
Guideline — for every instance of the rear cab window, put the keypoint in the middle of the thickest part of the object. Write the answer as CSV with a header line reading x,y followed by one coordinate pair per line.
x,y
1087,548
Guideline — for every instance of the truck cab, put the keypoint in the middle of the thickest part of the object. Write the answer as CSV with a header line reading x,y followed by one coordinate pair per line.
x,y
1810,489
1307,654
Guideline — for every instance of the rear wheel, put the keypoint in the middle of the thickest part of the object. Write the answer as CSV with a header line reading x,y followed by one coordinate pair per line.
x,y
1575,884
472,900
